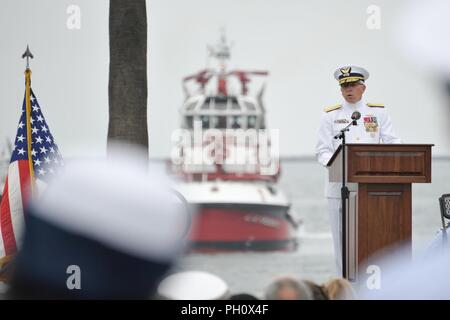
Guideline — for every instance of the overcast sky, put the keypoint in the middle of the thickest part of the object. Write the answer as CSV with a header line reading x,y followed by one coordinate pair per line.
x,y
300,43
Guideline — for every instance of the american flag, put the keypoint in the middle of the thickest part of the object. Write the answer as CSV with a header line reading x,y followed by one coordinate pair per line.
x,y
46,160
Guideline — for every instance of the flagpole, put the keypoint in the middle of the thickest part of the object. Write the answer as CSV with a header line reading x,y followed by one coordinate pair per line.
x,y
28,55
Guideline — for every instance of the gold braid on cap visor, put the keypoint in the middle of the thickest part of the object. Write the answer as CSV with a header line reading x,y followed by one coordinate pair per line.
x,y
350,79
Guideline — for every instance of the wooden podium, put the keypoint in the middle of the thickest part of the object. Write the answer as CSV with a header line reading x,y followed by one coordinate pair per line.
x,y
379,209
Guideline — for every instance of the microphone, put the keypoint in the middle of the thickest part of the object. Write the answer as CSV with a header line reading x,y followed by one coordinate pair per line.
x,y
356,115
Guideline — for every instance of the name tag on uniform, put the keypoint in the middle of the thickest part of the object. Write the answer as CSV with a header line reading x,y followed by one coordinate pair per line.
x,y
341,121
371,124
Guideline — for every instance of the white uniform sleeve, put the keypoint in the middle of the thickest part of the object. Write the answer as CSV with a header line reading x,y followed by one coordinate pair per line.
x,y
387,133
324,146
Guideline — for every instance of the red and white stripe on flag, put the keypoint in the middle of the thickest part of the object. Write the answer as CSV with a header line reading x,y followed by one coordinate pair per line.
x,y
35,143
16,194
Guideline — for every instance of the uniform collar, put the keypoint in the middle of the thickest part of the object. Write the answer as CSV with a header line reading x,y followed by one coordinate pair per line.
x,y
354,106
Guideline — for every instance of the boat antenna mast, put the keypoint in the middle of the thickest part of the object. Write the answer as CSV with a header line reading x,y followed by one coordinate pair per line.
x,y
222,52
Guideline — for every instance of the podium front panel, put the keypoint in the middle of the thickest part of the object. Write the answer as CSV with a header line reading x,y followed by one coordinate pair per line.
x,y
384,218
389,163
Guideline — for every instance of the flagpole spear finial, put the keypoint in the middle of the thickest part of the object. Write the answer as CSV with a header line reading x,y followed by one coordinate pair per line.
x,y
28,55
27,72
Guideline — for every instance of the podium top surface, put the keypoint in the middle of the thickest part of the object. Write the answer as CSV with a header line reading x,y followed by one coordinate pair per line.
x,y
382,163
376,145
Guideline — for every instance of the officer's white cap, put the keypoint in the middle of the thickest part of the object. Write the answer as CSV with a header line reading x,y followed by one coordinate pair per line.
x,y
348,74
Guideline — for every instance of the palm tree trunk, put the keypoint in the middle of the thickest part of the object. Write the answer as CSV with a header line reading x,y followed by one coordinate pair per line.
x,y
127,88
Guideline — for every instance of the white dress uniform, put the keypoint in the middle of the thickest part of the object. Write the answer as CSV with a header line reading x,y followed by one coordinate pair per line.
x,y
374,126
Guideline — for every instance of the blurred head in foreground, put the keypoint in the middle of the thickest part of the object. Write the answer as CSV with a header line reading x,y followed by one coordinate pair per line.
x,y
288,288
339,289
193,285
103,229
243,296
317,290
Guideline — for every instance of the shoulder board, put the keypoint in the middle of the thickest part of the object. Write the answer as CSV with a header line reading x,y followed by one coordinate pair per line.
x,y
375,105
333,107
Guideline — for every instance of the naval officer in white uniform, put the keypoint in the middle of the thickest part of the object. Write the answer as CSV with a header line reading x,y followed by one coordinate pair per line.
x,y
374,126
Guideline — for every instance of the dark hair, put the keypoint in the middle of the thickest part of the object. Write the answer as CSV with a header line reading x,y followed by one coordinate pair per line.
x,y
243,296
318,292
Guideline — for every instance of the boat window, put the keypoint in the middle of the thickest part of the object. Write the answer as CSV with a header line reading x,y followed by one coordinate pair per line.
x,y
220,106
220,103
214,122
206,104
251,122
221,99
189,120
205,122
236,122
219,122
234,103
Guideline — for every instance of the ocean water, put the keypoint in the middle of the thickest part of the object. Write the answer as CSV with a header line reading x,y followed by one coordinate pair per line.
x,y
303,182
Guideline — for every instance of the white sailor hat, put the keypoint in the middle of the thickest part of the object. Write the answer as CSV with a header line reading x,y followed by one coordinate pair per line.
x,y
193,285
349,74
120,225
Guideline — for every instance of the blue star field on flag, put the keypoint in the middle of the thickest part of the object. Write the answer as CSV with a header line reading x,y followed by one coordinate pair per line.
x,y
45,153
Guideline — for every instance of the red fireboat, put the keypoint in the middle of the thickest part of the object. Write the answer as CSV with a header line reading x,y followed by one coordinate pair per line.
x,y
226,164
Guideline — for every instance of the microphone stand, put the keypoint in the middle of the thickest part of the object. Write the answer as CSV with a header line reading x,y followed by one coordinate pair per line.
x,y
345,194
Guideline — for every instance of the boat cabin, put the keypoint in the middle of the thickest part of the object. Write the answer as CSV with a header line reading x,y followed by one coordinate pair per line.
x,y
223,112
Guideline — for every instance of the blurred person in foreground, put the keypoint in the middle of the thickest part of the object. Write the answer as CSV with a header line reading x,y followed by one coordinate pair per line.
x,y
288,288
193,285
339,289
243,296
317,290
103,229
